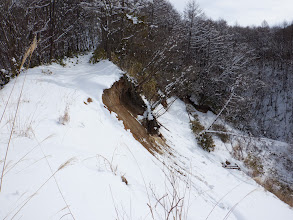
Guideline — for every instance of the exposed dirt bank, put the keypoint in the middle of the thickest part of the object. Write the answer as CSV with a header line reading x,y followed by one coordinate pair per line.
x,y
122,99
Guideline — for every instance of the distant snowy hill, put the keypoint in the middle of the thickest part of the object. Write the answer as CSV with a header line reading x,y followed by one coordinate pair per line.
x,y
70,158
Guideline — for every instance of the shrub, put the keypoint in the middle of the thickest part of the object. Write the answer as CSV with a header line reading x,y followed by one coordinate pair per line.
x,y
224,137
61,62
115,59
149,88
196,127
206,142
134,68
237,152
254,163
99,54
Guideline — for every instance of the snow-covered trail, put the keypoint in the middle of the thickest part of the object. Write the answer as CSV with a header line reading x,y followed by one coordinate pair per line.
x,y
99,151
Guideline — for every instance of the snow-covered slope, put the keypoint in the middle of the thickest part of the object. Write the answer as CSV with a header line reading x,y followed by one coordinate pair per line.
x,y
68,156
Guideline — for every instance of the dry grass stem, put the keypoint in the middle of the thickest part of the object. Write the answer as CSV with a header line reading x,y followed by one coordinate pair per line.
x,y
231,210
67,163
62,166
21,159
59,189
29,52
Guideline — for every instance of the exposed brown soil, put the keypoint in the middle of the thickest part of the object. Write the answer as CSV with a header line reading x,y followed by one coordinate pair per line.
x,y
127,106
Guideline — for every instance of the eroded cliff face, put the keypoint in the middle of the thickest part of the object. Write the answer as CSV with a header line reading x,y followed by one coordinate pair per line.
x,y
123,99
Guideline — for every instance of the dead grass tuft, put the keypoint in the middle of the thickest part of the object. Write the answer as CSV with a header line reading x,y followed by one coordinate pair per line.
x,y
109,164
89,100
174,202
124,180
65,118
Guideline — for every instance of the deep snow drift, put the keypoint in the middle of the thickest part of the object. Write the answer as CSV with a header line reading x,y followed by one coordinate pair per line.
x,y
68,156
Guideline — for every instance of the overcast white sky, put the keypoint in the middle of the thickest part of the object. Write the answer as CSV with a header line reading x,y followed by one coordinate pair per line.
x,y
244,12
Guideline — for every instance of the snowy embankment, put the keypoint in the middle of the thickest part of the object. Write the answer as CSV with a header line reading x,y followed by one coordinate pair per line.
x,y
69,158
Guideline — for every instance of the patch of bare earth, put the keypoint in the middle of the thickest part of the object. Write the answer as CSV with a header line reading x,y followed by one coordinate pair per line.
x,y
121,100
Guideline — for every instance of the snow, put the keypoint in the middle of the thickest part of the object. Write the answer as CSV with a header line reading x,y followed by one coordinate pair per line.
x,y
133,18
100,151
148,113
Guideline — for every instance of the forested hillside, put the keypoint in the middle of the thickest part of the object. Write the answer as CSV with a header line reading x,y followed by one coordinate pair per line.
x,y
247,70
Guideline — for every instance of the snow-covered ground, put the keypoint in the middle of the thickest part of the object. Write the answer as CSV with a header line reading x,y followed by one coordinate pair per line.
x,y
68,156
